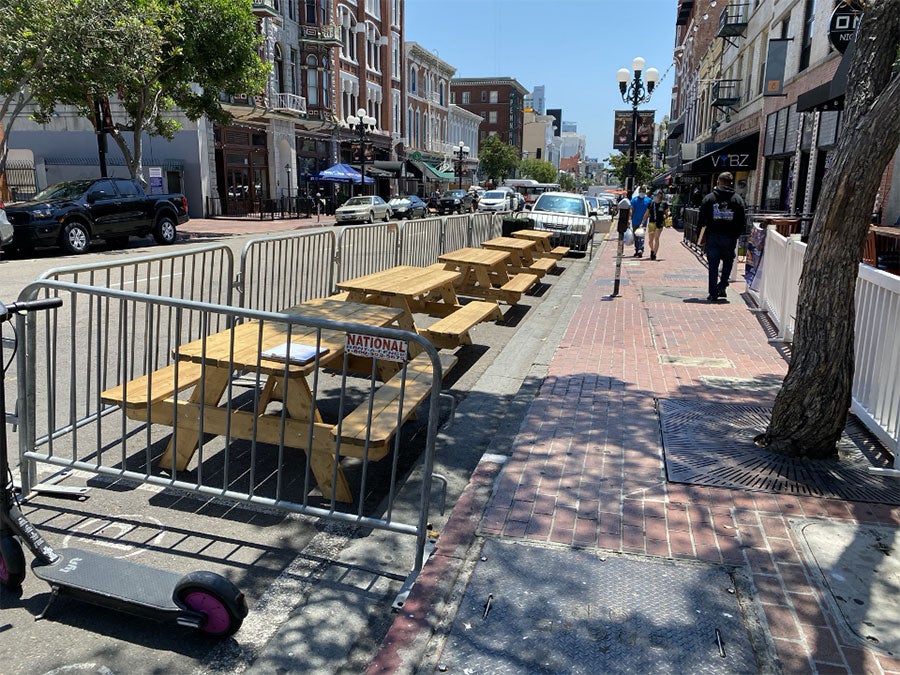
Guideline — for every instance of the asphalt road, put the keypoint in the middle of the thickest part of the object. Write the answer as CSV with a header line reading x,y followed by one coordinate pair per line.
x,y
320,594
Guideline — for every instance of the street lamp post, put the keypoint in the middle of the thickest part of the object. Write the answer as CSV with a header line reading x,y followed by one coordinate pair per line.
x,y
634,92
362,124
461,152
289,171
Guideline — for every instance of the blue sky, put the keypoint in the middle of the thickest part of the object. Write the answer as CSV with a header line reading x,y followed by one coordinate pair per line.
x,y
572,47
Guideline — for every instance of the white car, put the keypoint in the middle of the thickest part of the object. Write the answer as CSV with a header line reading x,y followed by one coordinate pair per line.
x,y
364,208
567,215
494,200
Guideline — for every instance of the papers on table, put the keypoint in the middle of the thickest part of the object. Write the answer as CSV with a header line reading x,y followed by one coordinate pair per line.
x,y
294,352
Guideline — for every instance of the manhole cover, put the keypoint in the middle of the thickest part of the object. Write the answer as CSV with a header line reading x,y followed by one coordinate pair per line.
x,y
695,361
569,611
860,576
712,444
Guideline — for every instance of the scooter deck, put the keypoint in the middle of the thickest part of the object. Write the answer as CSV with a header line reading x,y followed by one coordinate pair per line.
x,y
113,580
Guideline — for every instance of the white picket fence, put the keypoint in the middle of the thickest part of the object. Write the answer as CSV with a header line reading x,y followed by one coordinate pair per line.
x,y
876,385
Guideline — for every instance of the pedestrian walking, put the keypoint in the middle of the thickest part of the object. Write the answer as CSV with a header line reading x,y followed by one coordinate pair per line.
x,y
640,206
724,215
656,221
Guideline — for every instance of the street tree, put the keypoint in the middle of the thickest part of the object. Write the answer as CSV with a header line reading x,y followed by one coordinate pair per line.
x,y
155,56
618,168
566,181
497,159
31,31
538,169
811,408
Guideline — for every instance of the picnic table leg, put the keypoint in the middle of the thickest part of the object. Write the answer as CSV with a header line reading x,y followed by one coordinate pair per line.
x,y
299,403
209,394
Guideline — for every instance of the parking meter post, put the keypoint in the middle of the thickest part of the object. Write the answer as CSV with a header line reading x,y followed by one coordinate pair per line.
x,y
620,250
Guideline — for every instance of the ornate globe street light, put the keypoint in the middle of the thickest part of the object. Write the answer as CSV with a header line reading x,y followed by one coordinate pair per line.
x,y
362,124
634,92
461,151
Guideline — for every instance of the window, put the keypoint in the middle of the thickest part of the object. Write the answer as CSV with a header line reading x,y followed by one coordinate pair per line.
x,y
290,9
418,127
348,34
279,69
413,85
493,97
127,188
295,82
492,117
395,56
373,7
453,97
483,96
312,81
373,48
466,98
442,94
326,87
809,21
395,12
311,11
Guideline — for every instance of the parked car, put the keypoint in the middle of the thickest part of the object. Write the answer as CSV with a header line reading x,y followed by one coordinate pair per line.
x,y
456,200
494,200
408,207
363,208
6,228
74,213
567,215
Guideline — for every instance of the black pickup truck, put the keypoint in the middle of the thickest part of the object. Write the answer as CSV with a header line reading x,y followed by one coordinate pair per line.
x,y
73,213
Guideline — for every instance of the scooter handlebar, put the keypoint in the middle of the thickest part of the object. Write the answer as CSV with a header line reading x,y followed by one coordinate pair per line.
x,y
7,311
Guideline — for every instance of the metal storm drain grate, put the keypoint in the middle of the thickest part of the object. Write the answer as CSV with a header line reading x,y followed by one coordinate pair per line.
x,y
712,444
530,609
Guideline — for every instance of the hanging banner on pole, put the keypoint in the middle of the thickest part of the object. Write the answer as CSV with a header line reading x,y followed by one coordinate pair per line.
x,y
775,61
622,130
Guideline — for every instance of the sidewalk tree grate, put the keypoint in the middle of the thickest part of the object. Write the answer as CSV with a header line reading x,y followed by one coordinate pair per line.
x,y
711,444
535,609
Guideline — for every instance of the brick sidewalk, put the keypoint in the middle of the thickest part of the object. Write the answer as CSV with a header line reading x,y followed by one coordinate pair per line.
x,y
586,468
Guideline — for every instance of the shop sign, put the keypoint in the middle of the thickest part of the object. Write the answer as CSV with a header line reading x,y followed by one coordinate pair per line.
x,y
844,22
736,160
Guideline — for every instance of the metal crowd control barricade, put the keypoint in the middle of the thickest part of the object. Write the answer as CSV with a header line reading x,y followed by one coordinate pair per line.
x,y
365,249
204,274
113,377
484,226
457,232
282,271
421,241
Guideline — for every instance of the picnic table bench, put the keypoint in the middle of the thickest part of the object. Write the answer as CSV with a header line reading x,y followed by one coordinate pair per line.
x,y
206,366
543,243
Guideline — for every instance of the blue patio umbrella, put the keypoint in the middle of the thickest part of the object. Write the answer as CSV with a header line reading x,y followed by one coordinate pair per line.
x,y
342,173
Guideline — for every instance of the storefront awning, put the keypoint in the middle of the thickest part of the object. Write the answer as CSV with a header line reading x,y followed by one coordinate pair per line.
x,y
395,168
677,130
740,154
374,171
829,96
437,173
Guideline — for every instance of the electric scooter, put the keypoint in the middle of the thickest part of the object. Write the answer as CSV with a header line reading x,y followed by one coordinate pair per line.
x,y
202,600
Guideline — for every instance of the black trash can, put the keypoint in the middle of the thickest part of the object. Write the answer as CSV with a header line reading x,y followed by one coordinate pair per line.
x,y
511,225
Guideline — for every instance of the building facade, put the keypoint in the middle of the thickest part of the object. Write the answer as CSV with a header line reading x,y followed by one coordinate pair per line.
x,y
759,91
499,101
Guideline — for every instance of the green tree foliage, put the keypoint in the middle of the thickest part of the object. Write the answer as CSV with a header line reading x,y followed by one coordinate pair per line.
x,y
30,35
151,57
497,159
538,169
566,181
643,175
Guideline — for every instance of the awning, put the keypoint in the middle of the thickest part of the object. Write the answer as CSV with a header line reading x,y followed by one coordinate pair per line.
x,y
374,171
418,169
396,168
739,154
677,130
829,96
437,173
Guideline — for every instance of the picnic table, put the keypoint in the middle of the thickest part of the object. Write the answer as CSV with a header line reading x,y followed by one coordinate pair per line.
x,y
423,290
483,273
207,366
521,252
543,246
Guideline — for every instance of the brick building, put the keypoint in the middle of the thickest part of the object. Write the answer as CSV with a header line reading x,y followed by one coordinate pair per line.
x,y
499,100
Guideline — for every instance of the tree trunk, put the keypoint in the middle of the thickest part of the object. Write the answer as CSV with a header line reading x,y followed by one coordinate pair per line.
x,y
811,408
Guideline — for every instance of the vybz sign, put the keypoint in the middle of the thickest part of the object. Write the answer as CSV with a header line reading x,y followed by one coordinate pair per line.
x,y
734,160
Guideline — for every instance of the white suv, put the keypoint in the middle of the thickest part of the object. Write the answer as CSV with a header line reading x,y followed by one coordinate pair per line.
x,y
567,215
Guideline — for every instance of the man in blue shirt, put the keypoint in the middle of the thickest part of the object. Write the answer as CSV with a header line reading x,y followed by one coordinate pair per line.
x,y
639,215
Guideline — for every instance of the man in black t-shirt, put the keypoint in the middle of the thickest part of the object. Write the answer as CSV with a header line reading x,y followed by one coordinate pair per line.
x,y
724,215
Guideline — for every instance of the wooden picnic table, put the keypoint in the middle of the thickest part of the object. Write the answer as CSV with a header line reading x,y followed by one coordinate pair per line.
x,y
521,255
543,243
424,290
207,366
483,274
